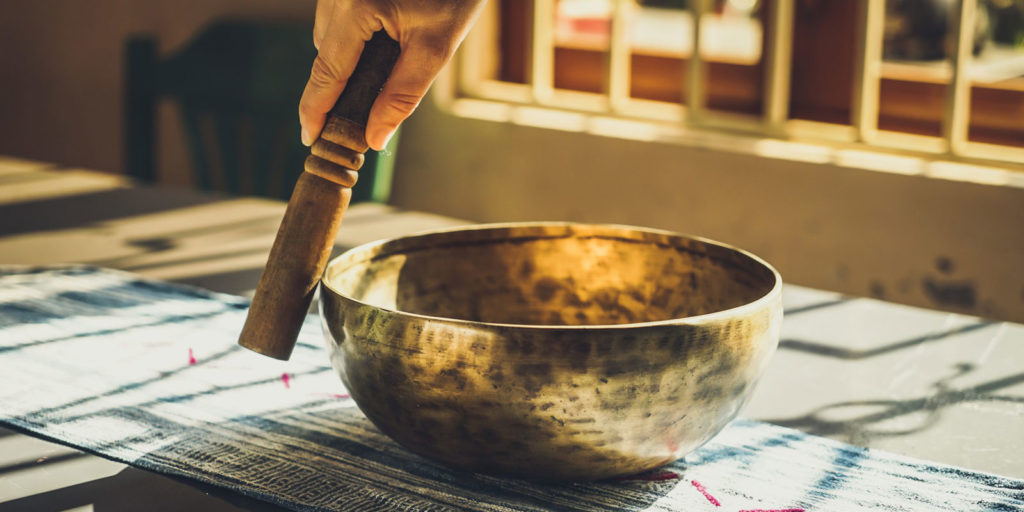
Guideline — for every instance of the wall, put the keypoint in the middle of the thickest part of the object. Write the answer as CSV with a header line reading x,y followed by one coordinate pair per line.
x,y
62,72
912,239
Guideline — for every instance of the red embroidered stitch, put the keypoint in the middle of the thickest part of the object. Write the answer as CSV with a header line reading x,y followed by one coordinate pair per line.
x,y
654,477
191,358
340,396
706,494
671,444
285,378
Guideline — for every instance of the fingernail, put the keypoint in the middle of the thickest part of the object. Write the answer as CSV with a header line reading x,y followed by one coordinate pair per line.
x,y
373,136
306,139
388,139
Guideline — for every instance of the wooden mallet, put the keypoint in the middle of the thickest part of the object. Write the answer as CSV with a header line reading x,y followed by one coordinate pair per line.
x,y
310,224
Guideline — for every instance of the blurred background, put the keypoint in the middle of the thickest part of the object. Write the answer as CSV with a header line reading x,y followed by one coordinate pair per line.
x,y
869,147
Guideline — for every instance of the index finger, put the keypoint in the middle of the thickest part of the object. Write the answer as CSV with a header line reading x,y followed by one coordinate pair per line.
x,y
339,52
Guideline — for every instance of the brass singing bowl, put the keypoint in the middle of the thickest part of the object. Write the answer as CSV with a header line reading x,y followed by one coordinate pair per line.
x,y
550,351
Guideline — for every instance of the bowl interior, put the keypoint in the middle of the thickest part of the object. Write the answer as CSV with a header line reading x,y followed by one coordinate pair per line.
x,y
551,274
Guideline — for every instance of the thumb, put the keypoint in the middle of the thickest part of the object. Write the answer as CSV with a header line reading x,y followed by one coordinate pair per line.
x,y
418,65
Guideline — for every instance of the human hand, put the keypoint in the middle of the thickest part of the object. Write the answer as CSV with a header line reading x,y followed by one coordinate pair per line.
x,y
428,31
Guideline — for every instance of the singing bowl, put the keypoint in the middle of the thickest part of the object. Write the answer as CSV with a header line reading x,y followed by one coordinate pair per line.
x,y
550,351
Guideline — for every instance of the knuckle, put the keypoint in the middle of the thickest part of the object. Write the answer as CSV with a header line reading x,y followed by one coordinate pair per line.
x,y
403,103
306,110
323,73
436,55
437,47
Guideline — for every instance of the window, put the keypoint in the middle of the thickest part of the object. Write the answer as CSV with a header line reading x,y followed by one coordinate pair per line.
x,y
940,77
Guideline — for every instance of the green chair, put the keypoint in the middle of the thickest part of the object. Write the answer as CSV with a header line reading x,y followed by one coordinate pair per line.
x,y
237,85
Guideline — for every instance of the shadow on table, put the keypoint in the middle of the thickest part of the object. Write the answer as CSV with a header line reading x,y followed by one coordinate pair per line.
x,y
825,350
164,247
80,210
133,490
865,419
858,421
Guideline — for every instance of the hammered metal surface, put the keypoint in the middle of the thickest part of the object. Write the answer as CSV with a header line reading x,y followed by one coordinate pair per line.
x,y
550,351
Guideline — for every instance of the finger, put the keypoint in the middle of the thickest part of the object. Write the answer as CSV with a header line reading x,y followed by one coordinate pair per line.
x,y
339,51
418,65
322,18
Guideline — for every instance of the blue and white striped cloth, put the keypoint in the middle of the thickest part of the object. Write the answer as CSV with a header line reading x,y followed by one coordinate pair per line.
x,y
148,373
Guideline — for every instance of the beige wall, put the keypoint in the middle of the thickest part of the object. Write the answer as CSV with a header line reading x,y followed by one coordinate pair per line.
x,y
911,239
62,72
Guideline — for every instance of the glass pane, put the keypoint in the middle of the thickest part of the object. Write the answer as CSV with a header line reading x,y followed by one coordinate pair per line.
x,y
660,40
732,37
513,40
997,74
824,47
916,65
582,35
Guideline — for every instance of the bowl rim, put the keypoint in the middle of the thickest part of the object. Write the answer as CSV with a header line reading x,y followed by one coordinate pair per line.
x,y
771,296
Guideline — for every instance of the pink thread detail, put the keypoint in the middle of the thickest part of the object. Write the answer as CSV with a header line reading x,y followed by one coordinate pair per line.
x,y
286,379
706,494
671,444
651,477
191,357
773,510
339,396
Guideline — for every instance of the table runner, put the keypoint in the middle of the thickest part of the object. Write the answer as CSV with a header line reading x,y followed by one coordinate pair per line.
x,y
148,373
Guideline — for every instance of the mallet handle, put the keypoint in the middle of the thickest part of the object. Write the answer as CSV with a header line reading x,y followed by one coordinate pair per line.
x,y
310,224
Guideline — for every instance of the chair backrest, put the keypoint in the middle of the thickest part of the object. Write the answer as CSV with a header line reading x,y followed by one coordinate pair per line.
x,y
237,85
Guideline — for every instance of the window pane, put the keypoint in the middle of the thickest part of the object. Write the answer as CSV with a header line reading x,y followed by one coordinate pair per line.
x,y
997,74
513,40
582,30
917,68
732,38
824,35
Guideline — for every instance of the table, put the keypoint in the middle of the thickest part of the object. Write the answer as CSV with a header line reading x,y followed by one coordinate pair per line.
x,y
937,386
